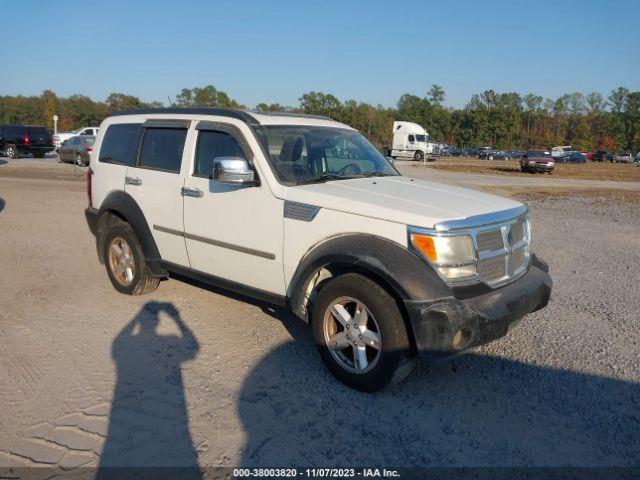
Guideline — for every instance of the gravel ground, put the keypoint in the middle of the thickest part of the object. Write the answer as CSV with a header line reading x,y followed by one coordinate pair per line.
x,y
225,381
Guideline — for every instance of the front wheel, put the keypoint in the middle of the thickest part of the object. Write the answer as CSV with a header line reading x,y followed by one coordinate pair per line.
x,y
360,333
418,156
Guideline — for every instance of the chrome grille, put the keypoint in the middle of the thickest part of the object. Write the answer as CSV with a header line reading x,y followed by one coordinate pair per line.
x,y
491,269
517,232
516,260
502,251
491,240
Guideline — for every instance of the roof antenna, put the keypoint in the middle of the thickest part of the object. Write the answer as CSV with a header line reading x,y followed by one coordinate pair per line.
x,y
170,102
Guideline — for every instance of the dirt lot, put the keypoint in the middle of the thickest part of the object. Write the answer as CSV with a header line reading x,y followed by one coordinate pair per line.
x,y
241,384
619,172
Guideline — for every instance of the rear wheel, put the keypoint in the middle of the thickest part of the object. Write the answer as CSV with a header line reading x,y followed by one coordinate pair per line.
x,y
12,152
360,333
418,156
125,263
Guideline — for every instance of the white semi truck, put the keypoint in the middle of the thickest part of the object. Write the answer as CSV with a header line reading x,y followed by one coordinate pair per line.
x,y
410,140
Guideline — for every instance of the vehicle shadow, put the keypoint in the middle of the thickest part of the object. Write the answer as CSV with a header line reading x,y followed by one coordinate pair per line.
x,y
2,162
148,434
2,204
506,169
474,410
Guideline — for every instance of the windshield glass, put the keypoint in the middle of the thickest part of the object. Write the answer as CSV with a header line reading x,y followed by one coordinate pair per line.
x,y
538,153
421,138
305,154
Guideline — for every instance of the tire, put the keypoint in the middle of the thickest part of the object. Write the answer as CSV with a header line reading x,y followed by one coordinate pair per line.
x,y
79,161
12,152
418,156
523,169
390,362
136,279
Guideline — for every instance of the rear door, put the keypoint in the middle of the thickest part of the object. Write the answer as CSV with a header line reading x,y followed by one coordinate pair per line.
x,y
155,183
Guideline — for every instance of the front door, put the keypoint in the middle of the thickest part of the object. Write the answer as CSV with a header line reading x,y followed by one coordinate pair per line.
x,y
155,183
233,232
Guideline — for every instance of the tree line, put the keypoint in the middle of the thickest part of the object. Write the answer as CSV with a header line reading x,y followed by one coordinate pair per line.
x,y
499,120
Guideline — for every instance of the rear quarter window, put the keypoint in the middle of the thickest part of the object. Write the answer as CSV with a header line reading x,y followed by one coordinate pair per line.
x,y
120,144
12,130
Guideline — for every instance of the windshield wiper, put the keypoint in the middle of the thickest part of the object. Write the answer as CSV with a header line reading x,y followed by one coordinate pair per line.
x,y
322,178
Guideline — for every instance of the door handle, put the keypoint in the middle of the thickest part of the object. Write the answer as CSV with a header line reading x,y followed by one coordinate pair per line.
x,y
191,192
132,181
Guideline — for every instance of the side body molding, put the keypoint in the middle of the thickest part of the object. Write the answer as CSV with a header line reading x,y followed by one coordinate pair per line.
x,y
406,275
125,206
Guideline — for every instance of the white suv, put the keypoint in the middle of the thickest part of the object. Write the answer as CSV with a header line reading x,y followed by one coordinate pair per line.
x,y
304,212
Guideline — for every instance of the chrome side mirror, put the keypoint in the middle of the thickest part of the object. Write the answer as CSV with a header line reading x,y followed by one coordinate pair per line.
x,y
233,171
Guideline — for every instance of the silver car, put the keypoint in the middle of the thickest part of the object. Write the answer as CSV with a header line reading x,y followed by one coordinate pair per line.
x,y
77,150
623,157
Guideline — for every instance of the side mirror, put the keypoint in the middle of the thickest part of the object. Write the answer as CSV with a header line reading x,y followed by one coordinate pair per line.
x,y
233,171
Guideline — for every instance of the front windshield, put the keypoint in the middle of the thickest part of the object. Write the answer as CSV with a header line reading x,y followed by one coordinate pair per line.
x,y
538,153
307,154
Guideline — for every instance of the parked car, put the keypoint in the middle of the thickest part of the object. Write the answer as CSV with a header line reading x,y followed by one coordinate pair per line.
x,y
571,157
76,150
60,137
470,151
16,140
486,154
625,157
507,154
602,156
537,161
637,162
384,268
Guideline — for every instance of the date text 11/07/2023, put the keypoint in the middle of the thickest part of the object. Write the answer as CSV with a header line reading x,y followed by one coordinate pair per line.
x,y
316,472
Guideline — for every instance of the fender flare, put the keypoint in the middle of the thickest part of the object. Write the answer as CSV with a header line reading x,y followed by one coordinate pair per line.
x,y
124,206
407,276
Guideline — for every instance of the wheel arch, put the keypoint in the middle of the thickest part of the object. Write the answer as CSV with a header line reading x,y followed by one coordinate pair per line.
x,y
400,272
120,205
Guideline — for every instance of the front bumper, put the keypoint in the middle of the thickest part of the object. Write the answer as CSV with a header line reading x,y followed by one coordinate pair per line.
x,y
450,325
541,167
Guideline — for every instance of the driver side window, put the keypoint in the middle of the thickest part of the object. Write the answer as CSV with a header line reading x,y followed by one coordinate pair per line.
x,y
211,145
412,139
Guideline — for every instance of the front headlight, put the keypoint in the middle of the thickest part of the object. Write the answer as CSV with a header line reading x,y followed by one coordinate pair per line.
x,y
453,256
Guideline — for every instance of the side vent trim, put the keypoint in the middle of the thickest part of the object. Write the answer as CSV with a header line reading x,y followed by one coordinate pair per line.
x,y
300,211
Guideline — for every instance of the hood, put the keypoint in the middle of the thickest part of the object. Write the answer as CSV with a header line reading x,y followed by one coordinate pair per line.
x,y
403,200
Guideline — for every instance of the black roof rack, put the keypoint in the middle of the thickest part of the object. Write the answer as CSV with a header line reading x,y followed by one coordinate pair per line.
x,y
244,115
223,112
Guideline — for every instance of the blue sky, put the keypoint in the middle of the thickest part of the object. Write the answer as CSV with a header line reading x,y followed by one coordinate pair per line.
x,y
273,51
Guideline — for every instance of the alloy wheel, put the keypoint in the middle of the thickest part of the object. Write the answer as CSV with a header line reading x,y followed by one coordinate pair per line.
x,y
121,261
352,335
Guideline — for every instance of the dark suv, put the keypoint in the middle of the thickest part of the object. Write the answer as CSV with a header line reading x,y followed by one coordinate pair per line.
x,y
19,139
